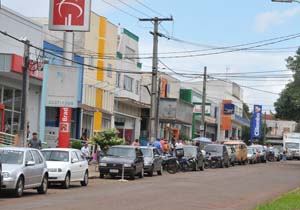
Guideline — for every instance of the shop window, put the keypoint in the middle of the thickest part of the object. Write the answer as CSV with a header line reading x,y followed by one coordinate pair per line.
x,y
7,121
16,122
18,100
8,98
129,53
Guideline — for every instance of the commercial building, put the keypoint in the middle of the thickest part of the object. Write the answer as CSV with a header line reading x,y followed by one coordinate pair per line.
x,y
226,92
128,106
11,62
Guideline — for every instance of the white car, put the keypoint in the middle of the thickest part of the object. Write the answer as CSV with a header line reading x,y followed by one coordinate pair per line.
x,y
66,165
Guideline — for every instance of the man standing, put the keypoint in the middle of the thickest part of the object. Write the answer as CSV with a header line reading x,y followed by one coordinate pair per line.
x,y
34,142
86,152
136,143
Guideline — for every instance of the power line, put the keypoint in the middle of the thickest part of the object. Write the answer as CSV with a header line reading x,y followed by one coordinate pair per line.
x,y
117,8
133,8
149,8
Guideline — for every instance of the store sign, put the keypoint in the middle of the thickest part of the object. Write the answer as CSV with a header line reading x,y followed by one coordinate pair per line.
x,y
256,122
198,108
228,109
226,118
62,86
65,117
70,15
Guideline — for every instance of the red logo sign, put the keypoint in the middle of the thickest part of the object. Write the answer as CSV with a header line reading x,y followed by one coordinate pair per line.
x,y
69,15
65,117
68,12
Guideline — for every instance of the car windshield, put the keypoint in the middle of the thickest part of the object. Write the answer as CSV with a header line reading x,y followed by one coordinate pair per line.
x,y
62,156
121,152
147,152
190,151
11,157
213,148
292,145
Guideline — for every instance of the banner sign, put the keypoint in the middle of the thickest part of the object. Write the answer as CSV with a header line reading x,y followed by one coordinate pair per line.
x,y
65,117
69,15
256,122
226,118
228,109
62,86
198,108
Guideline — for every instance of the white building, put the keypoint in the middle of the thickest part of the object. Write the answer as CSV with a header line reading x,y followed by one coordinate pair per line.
x,y
11,62
128,106
225,90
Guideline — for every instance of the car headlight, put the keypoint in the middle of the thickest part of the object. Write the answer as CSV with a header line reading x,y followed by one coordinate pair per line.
x,y
5,175
103,164
127,165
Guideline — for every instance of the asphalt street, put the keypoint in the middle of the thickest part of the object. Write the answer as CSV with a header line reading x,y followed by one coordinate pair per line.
x,y
234,188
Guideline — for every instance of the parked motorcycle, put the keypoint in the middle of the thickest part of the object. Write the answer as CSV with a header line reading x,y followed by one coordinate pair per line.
x,y
169,163
271,156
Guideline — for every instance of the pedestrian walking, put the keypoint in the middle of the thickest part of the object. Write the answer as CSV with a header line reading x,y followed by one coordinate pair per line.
x,y
35,142
284,153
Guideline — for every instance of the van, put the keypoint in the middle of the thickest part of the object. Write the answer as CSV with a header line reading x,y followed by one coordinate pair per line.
x,y
241,151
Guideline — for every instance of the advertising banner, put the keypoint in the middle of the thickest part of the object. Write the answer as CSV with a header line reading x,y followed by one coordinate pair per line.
x,y
228,109
65,117
198,108
62,86
226,118
69,15
256,122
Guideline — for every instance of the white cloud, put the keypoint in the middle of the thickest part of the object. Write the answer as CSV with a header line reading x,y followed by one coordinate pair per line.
x,y
272,18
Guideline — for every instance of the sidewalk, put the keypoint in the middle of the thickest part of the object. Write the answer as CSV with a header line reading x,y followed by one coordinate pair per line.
x,y
93,170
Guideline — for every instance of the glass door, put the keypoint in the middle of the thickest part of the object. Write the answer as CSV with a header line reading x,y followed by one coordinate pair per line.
x,y
1,118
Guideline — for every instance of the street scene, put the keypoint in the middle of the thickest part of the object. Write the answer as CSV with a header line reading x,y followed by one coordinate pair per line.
x,y
139,104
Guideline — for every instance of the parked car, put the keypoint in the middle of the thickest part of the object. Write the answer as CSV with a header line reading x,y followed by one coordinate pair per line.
x,y
66,166
23,168
118,158
262,152
194,157
152,161
241,151
1,177
231,154
251,155
218,154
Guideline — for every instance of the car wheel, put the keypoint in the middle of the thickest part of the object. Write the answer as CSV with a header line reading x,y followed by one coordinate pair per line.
x,y
202,166
85,181
222,164
132,176
141,175
150,173
44,186
19,187
160,171
101,176
67,181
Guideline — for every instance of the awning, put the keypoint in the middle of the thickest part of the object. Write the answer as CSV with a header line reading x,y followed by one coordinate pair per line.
x,y
132,102
240,120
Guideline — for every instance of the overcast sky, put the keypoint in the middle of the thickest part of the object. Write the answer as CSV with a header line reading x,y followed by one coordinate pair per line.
x,y
206,22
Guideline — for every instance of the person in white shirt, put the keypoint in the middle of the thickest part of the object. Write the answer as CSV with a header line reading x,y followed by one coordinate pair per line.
x,y
86,152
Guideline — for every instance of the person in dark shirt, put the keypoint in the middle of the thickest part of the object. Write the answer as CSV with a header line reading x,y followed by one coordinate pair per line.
x,y
34,142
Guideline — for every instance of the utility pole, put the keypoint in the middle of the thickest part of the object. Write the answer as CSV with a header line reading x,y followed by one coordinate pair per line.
x,y
25,90
203,102
157,106
154,110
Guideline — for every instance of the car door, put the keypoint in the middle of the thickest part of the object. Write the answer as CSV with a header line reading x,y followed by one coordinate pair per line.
x,y
140,160
225,154
83,164
75,166
29,169
38,167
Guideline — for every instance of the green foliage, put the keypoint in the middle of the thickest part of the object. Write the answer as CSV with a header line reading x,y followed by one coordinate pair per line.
x,y
289,201
288,104
76,145
246,134
107,138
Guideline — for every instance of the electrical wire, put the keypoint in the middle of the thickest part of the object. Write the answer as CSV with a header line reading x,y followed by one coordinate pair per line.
x,y
133,8
149,8
117,8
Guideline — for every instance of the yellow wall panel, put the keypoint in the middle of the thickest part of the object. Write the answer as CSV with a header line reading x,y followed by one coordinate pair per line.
x,y
99,98
97,121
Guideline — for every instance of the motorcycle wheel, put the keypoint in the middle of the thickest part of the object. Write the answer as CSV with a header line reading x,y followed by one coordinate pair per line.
x,y
171,168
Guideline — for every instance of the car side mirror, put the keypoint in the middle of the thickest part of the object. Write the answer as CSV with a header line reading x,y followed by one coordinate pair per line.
x,y
74,160
30,163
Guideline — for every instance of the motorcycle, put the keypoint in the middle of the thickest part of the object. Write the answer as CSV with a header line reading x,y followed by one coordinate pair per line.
x,y
271,156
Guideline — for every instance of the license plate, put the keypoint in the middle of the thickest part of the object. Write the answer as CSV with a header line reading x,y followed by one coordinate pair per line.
x,y
114,171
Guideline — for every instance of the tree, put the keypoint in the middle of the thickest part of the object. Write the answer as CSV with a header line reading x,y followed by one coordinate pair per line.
x,y
245,129
107,138
287,105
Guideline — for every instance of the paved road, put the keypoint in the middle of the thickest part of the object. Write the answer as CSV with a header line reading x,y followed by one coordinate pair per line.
x,y
235,188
